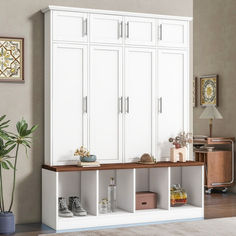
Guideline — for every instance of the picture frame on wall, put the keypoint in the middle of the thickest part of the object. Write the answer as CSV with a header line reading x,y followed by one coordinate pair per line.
x,y
195,92
209,90
11,59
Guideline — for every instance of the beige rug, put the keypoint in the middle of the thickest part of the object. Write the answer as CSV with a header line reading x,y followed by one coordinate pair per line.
x,y
213,227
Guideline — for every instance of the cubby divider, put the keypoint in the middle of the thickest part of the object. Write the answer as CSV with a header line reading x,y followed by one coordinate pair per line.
x,y
89,191
159,182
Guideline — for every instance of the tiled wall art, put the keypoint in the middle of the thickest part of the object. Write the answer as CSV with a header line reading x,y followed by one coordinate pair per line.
x,y
209,90
11,59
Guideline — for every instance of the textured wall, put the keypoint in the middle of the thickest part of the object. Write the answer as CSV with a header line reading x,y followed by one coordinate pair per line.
x,y
215,53
24,19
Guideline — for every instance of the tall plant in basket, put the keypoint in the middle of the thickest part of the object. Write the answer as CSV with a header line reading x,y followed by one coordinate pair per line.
x,y
10,144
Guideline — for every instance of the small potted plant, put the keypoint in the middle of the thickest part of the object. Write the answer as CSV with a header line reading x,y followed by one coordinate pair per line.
x,y
10,142
84,155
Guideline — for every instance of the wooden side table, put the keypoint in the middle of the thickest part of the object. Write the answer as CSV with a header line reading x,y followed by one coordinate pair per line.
x,y
219,163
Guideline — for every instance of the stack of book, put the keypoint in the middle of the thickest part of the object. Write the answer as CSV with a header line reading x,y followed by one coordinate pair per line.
x,y
89,164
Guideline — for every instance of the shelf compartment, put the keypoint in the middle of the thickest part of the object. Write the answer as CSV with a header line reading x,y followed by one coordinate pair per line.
x,y
192,180
125,192
155,180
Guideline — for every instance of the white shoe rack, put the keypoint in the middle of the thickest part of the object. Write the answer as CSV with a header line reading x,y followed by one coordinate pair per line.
x,y
91,186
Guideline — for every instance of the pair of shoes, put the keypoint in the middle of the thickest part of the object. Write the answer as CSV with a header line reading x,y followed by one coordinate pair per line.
x,y
75,207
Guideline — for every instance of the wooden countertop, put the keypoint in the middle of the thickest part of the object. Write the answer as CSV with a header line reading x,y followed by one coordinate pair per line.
x,y
67,168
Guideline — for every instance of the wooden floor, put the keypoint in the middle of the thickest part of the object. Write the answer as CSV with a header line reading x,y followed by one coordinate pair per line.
x,y
216,205
219,205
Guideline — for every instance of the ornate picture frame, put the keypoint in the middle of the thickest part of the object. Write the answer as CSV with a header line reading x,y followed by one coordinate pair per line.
x,y
11,59
209,90
195,92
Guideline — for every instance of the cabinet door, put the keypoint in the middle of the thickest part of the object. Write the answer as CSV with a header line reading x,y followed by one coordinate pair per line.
x,y
173,98
105,111
139,31
68,89
172,33
70,26
139,106
106,28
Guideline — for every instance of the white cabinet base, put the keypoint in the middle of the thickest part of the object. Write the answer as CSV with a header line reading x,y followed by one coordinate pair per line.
x,y
91,186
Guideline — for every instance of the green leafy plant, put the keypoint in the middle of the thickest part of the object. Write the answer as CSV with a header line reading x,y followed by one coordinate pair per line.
x,y
10,142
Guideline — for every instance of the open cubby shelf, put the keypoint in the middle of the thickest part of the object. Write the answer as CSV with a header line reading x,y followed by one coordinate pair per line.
x,y
91,186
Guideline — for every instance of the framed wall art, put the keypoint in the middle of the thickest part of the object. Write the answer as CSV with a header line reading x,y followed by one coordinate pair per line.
x,y
209,90
11,59
195,92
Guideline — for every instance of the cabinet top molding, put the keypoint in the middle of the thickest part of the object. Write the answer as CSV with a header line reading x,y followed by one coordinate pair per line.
x,y
109,12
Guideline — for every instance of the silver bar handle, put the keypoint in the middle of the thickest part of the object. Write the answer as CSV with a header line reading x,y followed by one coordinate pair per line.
x,y
121,29
85,27
86,104
160,105
127,105
121,105
160,32
127,30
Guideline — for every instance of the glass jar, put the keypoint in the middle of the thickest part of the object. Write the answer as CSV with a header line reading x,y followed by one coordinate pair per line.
x,y
104,207
178,196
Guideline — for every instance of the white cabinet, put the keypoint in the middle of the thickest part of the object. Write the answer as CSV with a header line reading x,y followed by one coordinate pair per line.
x,y
139,31
139,102
70,26
105,103
115,82
173,98
68,88
173,33
106,28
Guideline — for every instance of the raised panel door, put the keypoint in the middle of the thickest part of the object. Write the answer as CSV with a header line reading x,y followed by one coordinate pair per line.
x,y
106,28
139,103
140,31
69,78
173,99
70,26
172,33
104,103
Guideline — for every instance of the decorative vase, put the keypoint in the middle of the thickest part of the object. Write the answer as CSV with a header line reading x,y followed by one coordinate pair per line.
x,y
90,158
7,223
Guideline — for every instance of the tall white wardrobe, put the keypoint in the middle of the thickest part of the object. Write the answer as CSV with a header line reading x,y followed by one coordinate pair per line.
x,y
115,82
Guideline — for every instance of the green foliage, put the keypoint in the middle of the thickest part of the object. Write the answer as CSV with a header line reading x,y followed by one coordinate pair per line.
x,y
8,143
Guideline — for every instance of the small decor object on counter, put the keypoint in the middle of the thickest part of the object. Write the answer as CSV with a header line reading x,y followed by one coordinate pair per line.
x,y
104,206
209,90
146,200
63,210
112,194
146,159
88,164
76,207
178,196
85,155
179,151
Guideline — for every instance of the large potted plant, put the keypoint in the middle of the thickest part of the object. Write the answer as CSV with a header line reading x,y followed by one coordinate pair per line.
x,y
10,143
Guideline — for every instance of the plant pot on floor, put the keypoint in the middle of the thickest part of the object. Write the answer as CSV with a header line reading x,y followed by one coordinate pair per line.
x,y
7,223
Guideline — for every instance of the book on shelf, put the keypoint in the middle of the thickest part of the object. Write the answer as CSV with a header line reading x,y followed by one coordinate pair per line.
x,y
89,164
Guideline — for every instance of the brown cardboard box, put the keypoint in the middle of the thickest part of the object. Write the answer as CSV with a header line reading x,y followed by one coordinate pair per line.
x,y
146,200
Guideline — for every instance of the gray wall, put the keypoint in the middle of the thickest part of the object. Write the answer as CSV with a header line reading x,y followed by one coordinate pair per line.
x,y
215,53
24,19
